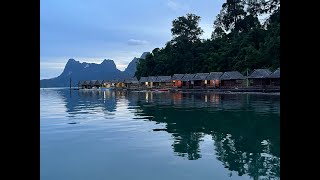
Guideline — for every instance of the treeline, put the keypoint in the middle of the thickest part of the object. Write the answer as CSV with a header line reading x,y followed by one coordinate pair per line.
x,y
239,42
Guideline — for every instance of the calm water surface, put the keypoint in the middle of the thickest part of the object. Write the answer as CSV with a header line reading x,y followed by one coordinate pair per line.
x,y
92,135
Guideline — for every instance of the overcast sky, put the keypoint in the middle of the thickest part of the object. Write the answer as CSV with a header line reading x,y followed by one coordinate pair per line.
x,y
94,30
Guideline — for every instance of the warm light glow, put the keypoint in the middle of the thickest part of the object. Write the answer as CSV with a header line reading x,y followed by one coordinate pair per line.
x,y
146,83
205,81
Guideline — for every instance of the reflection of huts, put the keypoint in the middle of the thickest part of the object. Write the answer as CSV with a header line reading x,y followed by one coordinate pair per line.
x,y
143,82
187,81
131,83
231,79
214,79
275,78
258,78
163,82
176,80
200,80
151,81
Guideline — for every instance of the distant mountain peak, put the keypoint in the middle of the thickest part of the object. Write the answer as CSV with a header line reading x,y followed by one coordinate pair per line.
x,y
144,54
71,60
76,70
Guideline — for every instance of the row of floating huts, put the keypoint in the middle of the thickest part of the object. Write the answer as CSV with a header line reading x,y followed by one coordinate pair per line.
x,y
259,78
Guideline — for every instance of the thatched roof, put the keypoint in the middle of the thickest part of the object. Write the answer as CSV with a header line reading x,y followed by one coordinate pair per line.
x,y
200,76
231,75
152,78
177,77
98,83
121,80
260,73
107,81
114,81
133,80
188,77
144,79
275,74
86,83
214,75
163,79
92,82
80,83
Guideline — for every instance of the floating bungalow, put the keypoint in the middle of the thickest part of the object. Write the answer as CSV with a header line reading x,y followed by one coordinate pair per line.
x,y
98,84
214,79
80,84
151,81
131,83
143,82
163,82
187,81
200,80
274,78
263,78
259,78
119,83
107,84
232,79
177,80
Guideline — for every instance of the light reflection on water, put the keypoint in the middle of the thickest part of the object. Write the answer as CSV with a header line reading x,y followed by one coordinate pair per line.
x,y
149,135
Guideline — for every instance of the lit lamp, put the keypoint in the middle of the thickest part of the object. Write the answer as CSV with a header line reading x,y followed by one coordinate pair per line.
x,y
205,81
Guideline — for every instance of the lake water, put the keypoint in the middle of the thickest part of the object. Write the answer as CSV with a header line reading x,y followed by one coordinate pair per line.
x,y
92,135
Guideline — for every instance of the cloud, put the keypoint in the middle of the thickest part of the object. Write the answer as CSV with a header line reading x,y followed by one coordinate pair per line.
x,y
174,5
136,42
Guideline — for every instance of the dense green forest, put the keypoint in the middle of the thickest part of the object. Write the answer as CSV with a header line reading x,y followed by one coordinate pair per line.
x,y
239,42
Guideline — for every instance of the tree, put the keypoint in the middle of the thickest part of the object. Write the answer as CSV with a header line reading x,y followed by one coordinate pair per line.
x,y
186,28
231,14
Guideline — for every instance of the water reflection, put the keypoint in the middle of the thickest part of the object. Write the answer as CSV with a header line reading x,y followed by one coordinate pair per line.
x,y
245,128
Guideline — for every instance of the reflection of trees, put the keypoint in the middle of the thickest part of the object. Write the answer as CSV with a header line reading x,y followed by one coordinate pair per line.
x,y
187,145
84,101
246,138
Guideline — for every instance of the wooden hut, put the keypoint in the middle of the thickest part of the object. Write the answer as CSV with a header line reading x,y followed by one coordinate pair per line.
x,y
143,82
152,81
85,85
231,79
187,81
114,82
107,83
98,83
177,80
92,84
80,84
164,82
131,83
274,78
119,83
200,80
214,79
259,78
